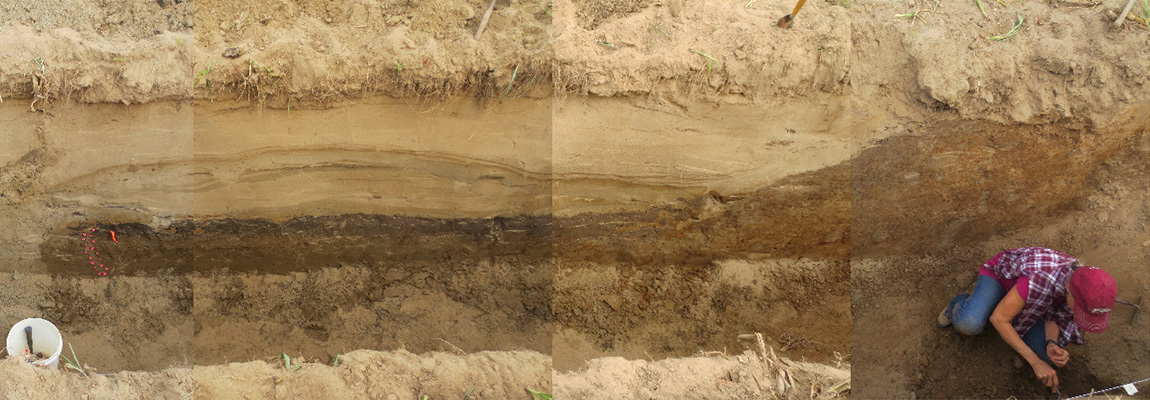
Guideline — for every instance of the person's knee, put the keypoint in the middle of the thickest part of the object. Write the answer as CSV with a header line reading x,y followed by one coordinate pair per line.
x,y
969,326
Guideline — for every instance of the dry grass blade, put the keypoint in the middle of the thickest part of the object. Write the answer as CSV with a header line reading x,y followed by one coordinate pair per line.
x,y
840,387
763,347
454,347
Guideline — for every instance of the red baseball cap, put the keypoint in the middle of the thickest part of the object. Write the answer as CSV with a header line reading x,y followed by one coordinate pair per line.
x,y
1094,292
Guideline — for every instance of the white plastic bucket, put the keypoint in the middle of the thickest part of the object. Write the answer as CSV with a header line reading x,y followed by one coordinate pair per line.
x,y
45,339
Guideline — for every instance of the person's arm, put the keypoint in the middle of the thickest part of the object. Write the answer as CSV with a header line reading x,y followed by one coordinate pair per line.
x,y
1057,354
1006,310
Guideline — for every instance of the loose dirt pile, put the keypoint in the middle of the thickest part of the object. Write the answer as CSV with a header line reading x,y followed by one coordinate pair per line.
x,y
23,381
383,375
359,374
322,52
95,52
748,375
680,51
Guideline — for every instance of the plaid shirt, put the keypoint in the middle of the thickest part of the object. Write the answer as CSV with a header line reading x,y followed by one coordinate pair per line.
x,y
1047,271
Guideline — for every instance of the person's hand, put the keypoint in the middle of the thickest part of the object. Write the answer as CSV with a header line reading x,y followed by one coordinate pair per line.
x,y
1057,354
1046,375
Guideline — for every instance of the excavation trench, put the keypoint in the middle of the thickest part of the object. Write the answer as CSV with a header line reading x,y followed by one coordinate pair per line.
x,y
316,241
288,235
380,224
318,232
678,228
931,202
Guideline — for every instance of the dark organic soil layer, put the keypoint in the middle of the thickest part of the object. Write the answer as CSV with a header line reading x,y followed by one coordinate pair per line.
x,y
299,244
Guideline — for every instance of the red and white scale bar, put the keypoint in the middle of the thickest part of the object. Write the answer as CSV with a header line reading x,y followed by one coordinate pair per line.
x,y
88,240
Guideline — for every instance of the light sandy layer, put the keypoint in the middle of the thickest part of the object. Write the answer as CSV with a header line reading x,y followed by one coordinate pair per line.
x,y
103,154
385,156
620,154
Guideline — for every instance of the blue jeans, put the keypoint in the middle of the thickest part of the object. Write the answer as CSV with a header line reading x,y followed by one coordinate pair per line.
x,y
970,313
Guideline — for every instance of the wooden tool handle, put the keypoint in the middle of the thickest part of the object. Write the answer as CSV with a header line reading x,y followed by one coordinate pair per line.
x,y
797,7
1122,17
483,23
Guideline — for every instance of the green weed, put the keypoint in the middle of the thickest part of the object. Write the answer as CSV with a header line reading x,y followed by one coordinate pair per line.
x,y
656,29
918,14
204,73
709,63
1146,13
539,395
1013,31
74,363
288,365
513,73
